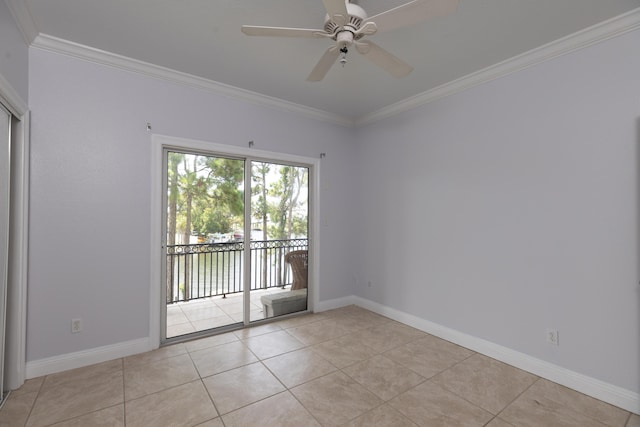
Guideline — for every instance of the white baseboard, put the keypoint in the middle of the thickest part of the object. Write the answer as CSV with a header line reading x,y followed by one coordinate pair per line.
x,y
335,303
617,396
79,359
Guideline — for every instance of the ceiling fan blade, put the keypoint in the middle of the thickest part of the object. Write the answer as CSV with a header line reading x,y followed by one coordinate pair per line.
x,y
383,59
367,29
413,12
252,30
337,10
324,65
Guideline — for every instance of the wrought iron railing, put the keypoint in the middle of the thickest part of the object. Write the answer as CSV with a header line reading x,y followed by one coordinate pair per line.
x,y
216,269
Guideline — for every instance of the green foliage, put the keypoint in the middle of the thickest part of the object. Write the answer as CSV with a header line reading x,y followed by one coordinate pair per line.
x,y
205,196
288,214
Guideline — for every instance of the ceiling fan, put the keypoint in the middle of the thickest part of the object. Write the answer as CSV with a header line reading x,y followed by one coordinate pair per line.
x,y
347,24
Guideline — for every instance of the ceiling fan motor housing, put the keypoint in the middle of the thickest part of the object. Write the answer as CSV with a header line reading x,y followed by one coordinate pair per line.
x,y
344,35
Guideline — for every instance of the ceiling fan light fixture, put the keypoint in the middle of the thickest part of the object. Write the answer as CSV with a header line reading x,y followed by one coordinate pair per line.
x,y
343,56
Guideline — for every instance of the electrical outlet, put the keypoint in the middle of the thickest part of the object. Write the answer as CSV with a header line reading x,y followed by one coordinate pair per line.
x,y
76,326
553,337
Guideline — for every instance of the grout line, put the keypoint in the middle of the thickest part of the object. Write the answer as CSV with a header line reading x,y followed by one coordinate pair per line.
x,y
518,396
33,405
124,396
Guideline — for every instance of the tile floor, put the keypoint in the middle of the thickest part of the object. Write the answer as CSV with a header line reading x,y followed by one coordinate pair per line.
x,y
207,313
345,367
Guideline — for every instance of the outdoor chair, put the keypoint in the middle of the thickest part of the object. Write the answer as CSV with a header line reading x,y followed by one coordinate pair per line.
x,y
299,261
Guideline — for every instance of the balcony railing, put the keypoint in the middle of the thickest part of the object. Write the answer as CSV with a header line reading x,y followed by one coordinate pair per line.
x,y
216,269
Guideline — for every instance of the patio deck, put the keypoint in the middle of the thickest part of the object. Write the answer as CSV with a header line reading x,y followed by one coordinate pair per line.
x,y
207,313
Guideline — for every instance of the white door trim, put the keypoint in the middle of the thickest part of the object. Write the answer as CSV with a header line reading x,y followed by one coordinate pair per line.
x,y
158,144
16,333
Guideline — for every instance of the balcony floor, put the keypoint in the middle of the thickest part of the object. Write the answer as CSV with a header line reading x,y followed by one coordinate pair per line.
x,y
207,313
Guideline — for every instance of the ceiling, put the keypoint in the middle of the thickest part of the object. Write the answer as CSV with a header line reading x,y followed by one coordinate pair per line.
x,y
203,38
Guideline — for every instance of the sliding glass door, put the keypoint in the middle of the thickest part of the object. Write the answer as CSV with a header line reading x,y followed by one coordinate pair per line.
x,y
279,239
236,233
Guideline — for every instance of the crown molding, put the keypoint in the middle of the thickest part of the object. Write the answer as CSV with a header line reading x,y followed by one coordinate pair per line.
x,y
76,50
22,15
597,33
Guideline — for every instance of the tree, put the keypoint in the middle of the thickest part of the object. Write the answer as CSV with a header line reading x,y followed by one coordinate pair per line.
x,y
260,209
286,192
173,161
221,208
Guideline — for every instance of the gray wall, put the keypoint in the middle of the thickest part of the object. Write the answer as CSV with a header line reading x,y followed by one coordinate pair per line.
x,y
512,207
14,54
90,192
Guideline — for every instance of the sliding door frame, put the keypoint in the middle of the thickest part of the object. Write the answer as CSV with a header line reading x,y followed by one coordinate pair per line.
x,y
16,332
160,143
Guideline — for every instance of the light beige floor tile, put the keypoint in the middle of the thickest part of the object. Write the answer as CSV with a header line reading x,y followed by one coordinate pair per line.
x,y
547,402
382,416
362,318
355,323
485,382
143,379
344,351
202,343
389,335
216,422
229,300
77,392
344,310
254,331
356,309
82,375
428,356
180,329
224,357
175,315
383,377
154,355
17,408
195,303
214,322
634,421
241,386
304,319
109,417
497,422
298,367
430,405
335,399
29,386
203,312
281,410
254,315
235,308
317,332
273,344
186,405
